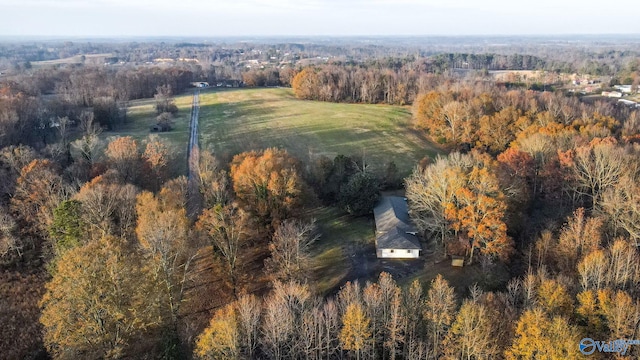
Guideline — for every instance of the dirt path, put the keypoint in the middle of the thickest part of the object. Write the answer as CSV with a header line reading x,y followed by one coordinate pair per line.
x,y
194,205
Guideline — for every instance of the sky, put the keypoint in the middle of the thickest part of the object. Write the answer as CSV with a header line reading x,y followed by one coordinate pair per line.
x,y
204,18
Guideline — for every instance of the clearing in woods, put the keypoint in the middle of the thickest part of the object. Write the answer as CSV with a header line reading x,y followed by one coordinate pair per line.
x,y
238,120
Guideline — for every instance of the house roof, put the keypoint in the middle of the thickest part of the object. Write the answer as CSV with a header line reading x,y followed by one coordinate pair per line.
x,y
393,226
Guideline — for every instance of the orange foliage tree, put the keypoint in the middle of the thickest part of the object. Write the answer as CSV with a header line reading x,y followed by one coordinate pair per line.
x,y
123,156
305,84
39,190
268,183
477,213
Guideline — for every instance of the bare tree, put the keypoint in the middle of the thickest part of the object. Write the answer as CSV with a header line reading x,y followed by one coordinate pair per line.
x,y
598,167
395,326
9,243
248,309
290,250
227,229
213,181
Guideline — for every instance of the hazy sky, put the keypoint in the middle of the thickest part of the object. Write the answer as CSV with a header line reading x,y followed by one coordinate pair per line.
x,y
316,17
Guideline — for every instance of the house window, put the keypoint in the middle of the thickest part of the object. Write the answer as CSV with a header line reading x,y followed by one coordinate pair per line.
x,y
408,251
391,251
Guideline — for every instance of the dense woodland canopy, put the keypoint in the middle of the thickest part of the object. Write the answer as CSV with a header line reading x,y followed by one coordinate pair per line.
x,y
98,250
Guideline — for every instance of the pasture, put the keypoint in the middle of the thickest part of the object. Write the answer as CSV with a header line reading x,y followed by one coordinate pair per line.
x,y
238,120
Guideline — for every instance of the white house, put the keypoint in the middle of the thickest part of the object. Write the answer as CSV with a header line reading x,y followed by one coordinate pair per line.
x,y
612,94
625,89
395,235
200,84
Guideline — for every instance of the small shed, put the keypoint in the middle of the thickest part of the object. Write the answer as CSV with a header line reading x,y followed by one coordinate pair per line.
x,y
395,235
160,128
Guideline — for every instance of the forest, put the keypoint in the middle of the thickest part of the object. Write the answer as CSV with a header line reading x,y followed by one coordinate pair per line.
x,y
107,249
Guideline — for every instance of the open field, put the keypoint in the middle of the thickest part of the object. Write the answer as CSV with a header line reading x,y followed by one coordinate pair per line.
x,y
141,116
233,121
237,120
89,58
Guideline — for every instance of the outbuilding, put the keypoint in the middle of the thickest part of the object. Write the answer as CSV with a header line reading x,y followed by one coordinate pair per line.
x,y
395,235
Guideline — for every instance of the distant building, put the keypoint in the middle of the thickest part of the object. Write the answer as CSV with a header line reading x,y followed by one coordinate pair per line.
x,y
625,89
160,128
612,94
200,84
627,102
395,235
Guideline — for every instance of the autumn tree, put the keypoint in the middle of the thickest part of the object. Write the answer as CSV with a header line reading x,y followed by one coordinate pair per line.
x,y
220,339
304,84
621,311
428,191
516,174
88,146
268,183
477,213
413,303
612,267
539,336
439,311
395,326
122,154
156,157
283,314
355,331
471,335
553,298
579,236
429,114
175,192
162,233
227,229
497,131
289,249
108,207
100,303
373,306
39,190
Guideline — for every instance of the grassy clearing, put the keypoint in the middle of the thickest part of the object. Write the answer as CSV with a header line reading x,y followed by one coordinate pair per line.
x,y
340,234
245,119
141,116
237,120
77,59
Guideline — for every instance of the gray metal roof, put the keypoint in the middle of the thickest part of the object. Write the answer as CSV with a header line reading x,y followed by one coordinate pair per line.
x,y
393,224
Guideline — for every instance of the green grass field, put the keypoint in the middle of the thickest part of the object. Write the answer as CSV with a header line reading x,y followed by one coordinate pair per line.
x,y
237,120
141,116
77,59
233,121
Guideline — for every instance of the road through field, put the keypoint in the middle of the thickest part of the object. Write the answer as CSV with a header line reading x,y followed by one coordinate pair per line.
x,y
193,159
